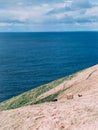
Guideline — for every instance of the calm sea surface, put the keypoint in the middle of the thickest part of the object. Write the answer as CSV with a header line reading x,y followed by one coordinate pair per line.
x,y
28,60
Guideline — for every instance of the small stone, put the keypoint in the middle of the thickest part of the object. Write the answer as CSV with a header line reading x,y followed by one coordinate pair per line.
x,y
54,100
79,95
70,96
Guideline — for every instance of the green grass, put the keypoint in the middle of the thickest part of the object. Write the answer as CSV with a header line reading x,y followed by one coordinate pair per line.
x,y
48,98
30,96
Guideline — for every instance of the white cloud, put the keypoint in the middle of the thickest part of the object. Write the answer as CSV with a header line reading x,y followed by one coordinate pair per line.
x,y
72,12
31,13
5,24
92,12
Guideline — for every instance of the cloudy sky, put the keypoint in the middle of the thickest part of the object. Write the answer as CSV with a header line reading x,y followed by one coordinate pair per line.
x,y
48,15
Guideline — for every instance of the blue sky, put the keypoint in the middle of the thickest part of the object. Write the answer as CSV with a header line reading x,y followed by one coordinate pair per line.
x,y
50,15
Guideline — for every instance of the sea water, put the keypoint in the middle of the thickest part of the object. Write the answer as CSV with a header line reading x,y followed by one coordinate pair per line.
x,y
28,60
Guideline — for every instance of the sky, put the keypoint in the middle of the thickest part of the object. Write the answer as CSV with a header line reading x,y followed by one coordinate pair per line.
x,y
48,15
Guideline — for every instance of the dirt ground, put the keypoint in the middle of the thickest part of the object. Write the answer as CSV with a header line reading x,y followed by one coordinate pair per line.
x,y
79,113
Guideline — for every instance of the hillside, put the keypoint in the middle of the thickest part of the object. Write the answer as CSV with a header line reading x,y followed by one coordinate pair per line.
x,y
38,110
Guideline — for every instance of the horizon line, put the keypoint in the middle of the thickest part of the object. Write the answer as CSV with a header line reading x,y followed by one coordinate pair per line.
x,y
49,31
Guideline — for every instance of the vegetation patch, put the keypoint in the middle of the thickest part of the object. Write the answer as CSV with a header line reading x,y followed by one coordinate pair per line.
x,y
31,96
48,98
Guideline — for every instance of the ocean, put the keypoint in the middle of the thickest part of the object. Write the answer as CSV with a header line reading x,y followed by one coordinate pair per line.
x,y
28,60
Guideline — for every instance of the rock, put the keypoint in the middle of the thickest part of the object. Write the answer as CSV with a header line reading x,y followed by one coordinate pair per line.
x,y
70,96
79,95
54,100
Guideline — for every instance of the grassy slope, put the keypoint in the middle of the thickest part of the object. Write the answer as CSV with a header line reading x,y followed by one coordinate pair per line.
x,y
30,97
